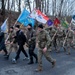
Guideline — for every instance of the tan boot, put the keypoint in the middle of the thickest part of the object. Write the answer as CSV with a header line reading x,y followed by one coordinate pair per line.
x,y
53,63
38,69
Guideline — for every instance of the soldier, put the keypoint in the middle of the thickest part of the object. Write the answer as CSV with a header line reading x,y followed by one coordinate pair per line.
x,y
69,40
21,40
52,34
49,29
31,41
44,41
2,42
73,42
59,39
9,41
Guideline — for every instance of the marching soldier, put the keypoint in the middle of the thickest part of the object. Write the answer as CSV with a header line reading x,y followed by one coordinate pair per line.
x,y
59,39
49,29
2,42
31,41
52,34
44,42
69,40
73,42
9,41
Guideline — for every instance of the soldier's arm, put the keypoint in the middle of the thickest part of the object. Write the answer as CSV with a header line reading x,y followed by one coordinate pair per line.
x,y
7,38
48,39
34,35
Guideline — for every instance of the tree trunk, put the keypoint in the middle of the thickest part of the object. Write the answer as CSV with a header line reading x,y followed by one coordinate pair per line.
x,y
19,7
3,11
8,4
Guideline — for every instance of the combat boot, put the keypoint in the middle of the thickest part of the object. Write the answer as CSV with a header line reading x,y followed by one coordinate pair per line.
x,y
39,69
7,57
31,61
57,51
64,49
53,63
68,53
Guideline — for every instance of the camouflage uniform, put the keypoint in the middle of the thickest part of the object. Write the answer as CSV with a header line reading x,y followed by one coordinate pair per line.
x,y
52,33
59,39
69,41
49,32
73,44
31,40
12,46
44,40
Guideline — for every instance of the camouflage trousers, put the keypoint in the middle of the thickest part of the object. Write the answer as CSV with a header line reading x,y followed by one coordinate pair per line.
x,y
59,43
53,44
68,45
12,47
47,56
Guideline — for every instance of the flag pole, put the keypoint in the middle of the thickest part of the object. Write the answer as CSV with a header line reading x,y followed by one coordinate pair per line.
x,y
18,18
54,35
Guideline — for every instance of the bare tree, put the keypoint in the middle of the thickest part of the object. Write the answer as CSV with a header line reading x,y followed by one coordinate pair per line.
x,y
3,10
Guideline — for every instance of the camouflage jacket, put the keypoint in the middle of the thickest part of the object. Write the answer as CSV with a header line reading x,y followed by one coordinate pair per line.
x,y
43,39
31,37
59,34
70,35
11,36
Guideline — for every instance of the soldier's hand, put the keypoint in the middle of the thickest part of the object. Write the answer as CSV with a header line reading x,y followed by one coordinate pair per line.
x,y
29,39
26,45
45,49
11,43
36,45
7,42
72,42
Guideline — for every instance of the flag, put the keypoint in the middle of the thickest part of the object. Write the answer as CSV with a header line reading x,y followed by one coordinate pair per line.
x,y
39,16
4,26
33,14
73,20
56,22
49,22
64,23
23,16
29,21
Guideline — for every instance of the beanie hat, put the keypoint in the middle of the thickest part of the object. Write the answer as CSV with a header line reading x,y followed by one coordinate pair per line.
x,y
40,26
11,27
30,25
18,26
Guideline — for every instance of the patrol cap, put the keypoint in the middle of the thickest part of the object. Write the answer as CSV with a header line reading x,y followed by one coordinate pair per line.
x,y
18,26
40,26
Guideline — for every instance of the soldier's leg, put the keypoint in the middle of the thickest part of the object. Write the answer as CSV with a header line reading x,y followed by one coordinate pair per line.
x,y
58,46
5,50
64,48
10,49
55,44
31,56
31,53
15,46
40,54
68,48
49,58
